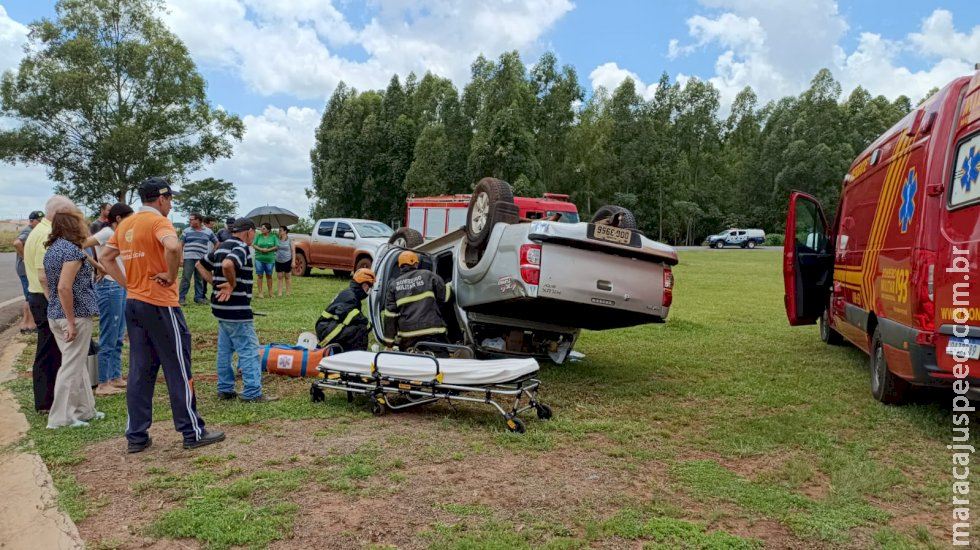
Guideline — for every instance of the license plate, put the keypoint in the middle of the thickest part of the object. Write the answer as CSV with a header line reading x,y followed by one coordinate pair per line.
x,y
963,347
611,234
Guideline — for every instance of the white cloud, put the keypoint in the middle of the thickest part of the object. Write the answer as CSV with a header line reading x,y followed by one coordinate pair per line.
x,y
610,76
271,165
777,48
280,46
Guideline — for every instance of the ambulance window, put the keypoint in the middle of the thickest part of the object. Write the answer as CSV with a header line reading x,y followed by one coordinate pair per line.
x,y
457,218
811,235
965,187
416,217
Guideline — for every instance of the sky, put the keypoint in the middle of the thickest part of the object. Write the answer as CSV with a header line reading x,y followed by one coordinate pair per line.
x,y
276,62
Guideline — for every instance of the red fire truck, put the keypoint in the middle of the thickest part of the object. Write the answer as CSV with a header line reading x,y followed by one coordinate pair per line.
x,y
894,273
436,216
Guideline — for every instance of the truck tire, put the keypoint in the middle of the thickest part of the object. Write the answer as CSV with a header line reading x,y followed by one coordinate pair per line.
x,y
617,215
364,262
719,244
406,237
885,386
301,267
483,206
750,244
828,335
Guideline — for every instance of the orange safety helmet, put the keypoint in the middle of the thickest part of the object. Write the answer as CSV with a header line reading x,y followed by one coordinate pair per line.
x,y
408,258
364,275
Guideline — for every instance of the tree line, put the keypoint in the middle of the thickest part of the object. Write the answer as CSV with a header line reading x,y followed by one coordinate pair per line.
x,y
682,168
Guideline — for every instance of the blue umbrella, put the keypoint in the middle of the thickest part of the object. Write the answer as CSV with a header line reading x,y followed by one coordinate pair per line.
x,y
273,215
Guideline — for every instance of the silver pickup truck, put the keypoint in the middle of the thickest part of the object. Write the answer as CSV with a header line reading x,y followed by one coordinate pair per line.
x,y
528,288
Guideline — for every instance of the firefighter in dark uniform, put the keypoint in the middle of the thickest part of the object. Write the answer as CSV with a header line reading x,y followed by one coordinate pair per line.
x,y
413,300
342,322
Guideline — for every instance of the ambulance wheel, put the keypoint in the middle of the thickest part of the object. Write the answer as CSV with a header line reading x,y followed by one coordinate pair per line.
x,y
829,336
544,411
516,425
377,409
482,209
885,386
751,244
406,237
316,394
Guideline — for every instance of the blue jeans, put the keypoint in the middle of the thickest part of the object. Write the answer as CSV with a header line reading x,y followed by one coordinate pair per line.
x,y
190,270
112,327
239,336
264,268
23,284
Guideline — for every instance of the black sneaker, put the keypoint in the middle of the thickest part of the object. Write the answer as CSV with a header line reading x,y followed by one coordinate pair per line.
x,y
139,447
261,399
225,396
206,439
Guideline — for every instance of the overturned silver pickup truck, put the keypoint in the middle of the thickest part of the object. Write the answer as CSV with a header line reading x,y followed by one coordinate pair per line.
x,y
528,287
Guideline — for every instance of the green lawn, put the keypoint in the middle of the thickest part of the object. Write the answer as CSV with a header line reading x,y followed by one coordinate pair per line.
x,y
723,428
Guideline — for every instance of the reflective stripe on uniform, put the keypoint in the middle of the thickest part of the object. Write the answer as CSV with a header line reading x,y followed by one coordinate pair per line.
x,y
340,326
387,313
327,315
421,332
409,299
449,291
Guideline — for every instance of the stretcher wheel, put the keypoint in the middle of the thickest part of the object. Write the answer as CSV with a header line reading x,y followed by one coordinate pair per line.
x,y
544,411
516,425
377,409
316,394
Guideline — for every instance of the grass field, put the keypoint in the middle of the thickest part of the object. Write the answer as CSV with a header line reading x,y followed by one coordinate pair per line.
x,y
723,428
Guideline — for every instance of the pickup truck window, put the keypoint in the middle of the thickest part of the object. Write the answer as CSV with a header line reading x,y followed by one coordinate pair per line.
x,y
369,230
325,229
344,231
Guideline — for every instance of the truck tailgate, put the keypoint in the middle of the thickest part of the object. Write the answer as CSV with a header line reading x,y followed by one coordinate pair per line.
x,y
625,287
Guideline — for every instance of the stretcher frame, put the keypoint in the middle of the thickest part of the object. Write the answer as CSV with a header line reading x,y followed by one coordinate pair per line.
x,y
380,387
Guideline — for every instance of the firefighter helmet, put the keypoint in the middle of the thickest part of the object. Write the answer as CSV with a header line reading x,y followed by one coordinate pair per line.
x,y
364,275
408,258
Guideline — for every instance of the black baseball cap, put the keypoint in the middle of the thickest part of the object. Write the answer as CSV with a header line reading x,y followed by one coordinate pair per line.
x,y
242,224
36,215
151,188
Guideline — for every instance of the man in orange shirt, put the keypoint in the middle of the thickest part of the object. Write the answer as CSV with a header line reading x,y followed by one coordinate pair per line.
x,y
158,335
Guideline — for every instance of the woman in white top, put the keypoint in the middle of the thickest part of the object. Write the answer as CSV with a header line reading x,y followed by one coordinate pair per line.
x,y
111,297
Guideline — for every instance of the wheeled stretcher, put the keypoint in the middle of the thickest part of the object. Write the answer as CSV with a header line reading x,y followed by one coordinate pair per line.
x,y
397,380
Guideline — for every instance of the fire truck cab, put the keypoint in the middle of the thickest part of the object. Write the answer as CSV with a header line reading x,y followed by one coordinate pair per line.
x,y
436,216
895,272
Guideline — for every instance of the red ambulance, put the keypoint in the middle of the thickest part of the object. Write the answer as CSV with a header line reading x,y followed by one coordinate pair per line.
x,y
896,272
436,216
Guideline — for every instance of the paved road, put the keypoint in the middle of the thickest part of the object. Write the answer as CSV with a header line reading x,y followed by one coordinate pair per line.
x,y
9,291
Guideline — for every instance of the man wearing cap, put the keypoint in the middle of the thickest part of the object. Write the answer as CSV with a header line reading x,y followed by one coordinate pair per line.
x,y
413,300
27,321
342,322
47,356
158,335
225,233
229,268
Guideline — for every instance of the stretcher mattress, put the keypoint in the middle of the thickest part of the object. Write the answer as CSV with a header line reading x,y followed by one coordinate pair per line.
x,y
460,372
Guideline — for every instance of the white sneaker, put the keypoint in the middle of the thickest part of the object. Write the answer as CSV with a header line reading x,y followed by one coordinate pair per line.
x,y
78,424
99,415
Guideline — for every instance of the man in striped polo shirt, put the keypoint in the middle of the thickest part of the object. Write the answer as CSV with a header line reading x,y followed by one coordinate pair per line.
x,y
229,269
196,240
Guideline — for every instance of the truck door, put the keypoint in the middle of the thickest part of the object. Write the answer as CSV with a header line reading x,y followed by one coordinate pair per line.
x,y
320,242
342,251
808,264
956,275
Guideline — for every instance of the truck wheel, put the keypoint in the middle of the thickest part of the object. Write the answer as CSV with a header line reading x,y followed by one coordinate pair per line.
x,y
301,268
364,262
406,237
750,244
829,336
719,244
483,205
615,215
885,386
